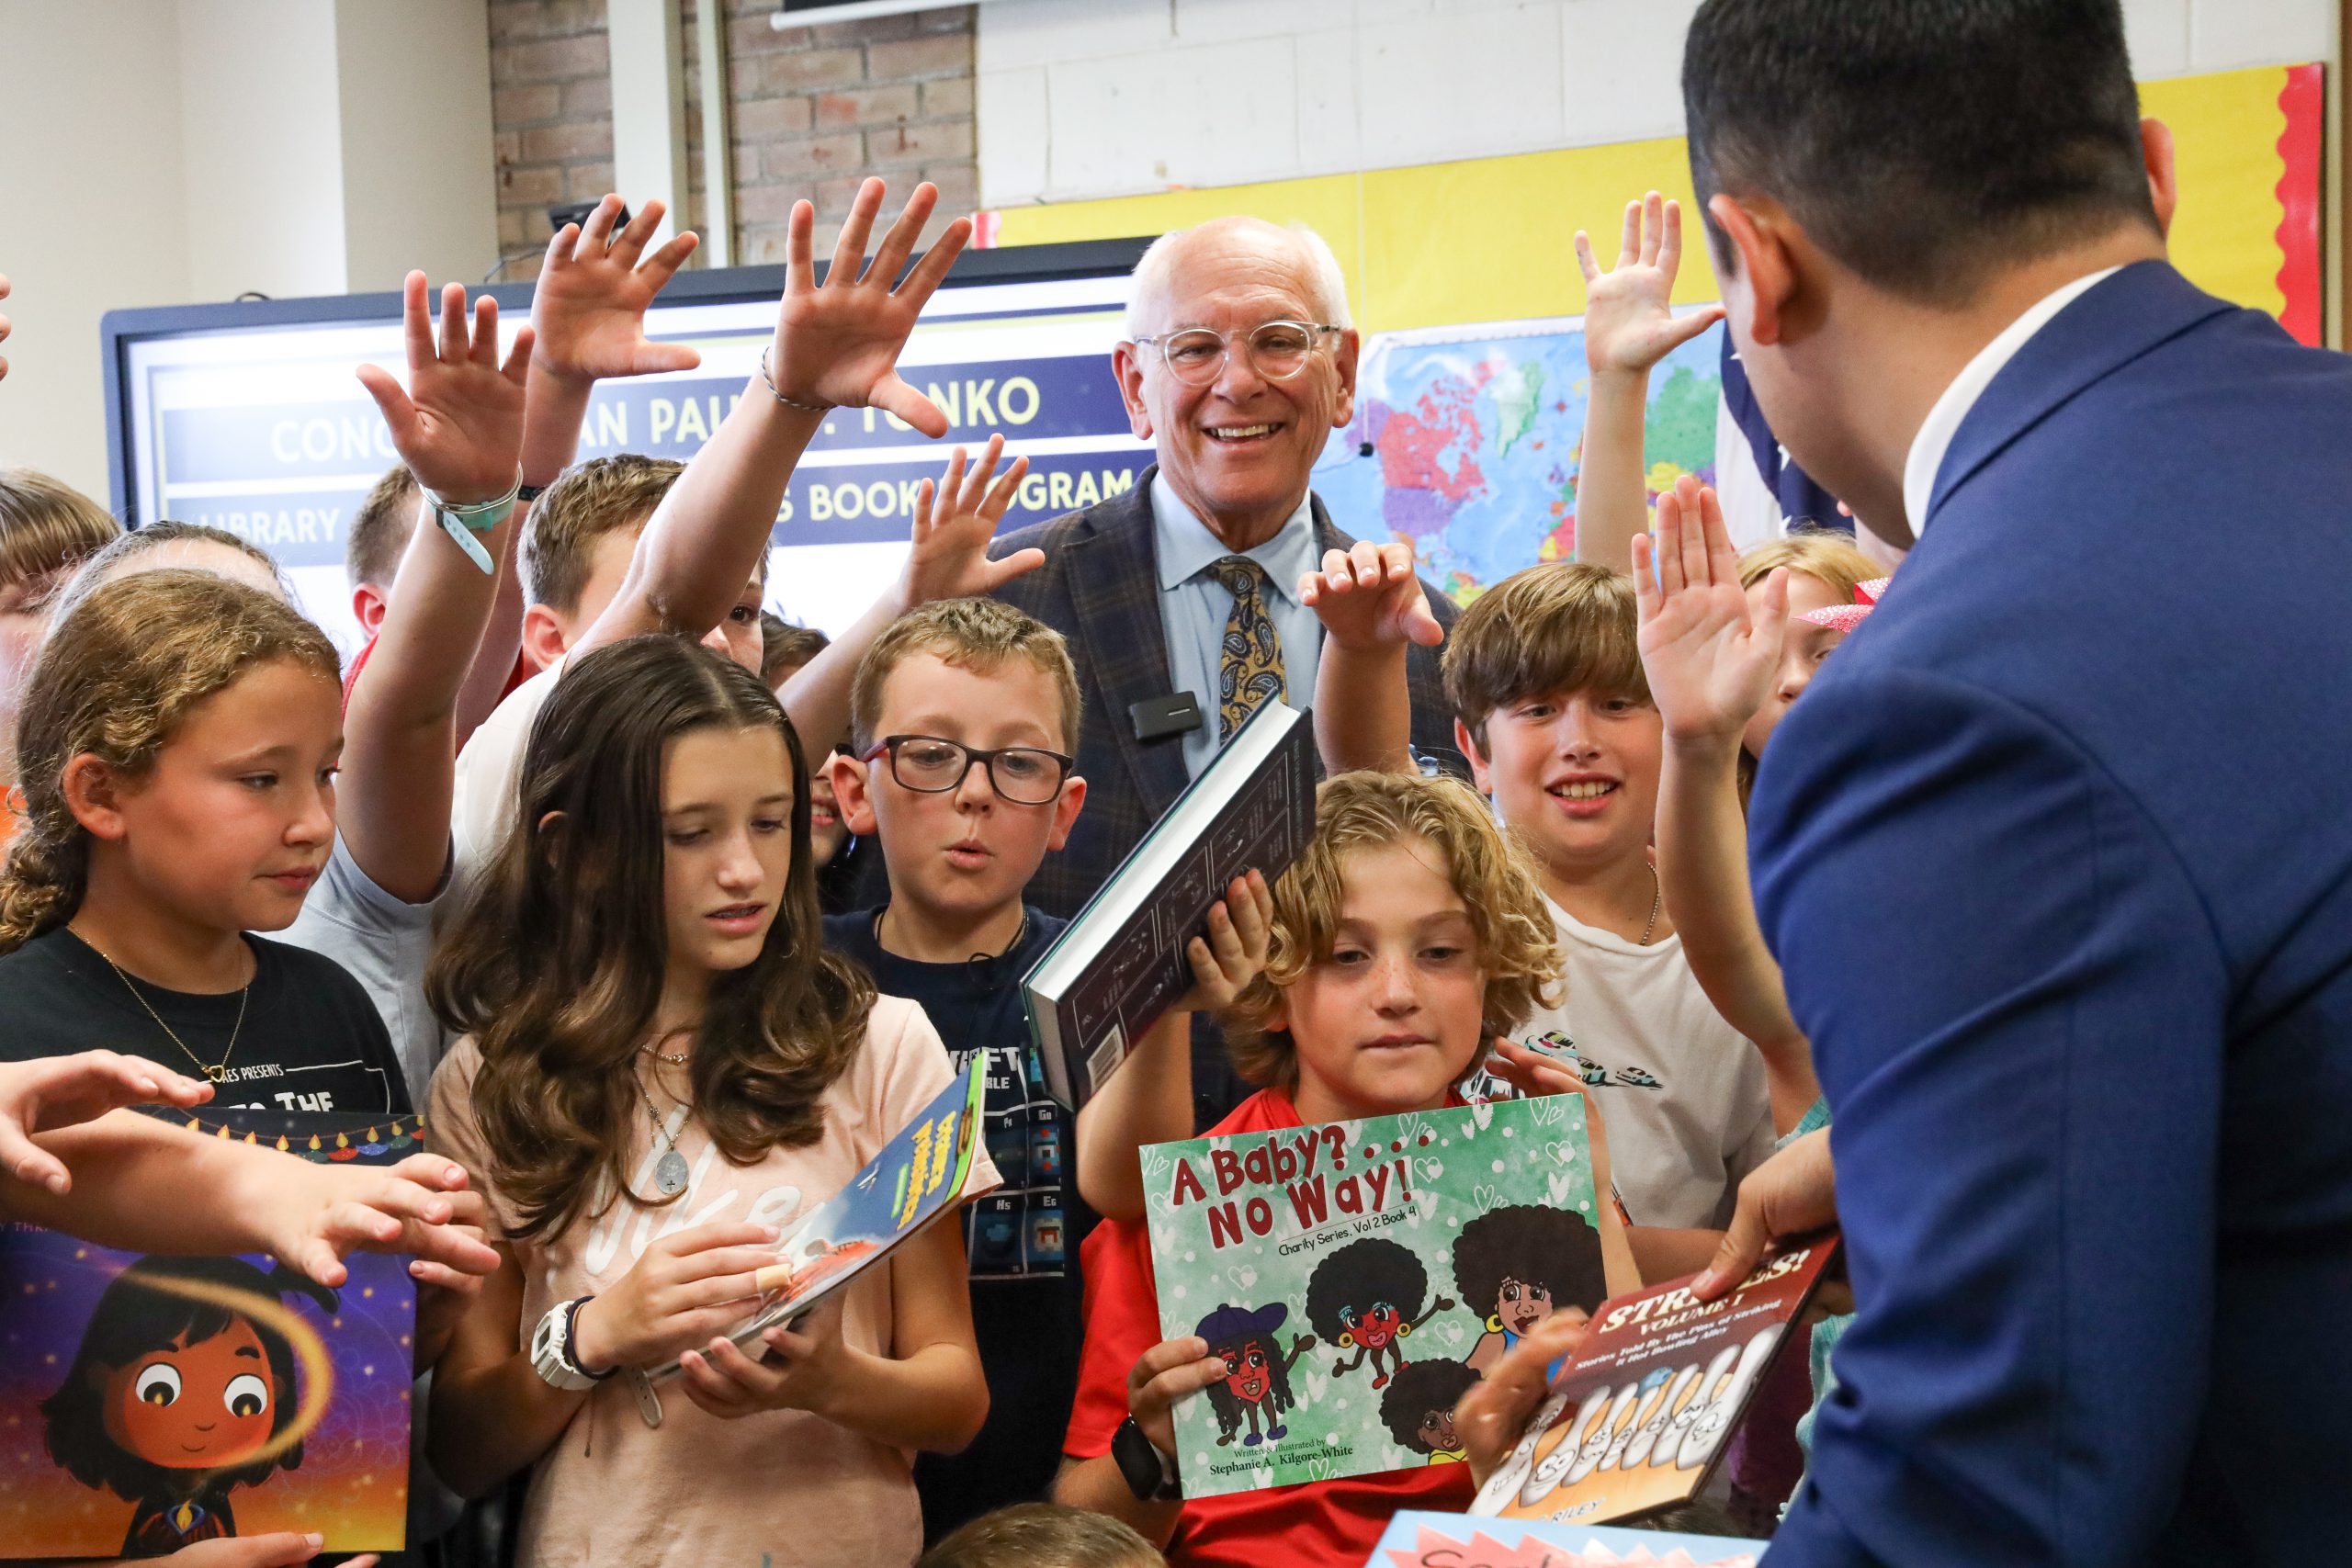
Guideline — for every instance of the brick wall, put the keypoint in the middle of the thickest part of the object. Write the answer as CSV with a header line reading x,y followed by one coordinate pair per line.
x,y
813,110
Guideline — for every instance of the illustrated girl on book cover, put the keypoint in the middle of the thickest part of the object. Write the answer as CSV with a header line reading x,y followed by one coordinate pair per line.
x,y
1367,1297
183,1390
1257,1372
1515,1265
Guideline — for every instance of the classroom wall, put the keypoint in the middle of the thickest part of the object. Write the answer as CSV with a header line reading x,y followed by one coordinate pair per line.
x,y
180,152
1079,99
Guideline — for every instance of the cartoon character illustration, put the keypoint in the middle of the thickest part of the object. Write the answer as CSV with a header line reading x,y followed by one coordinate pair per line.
x,y
176,1397
1708,1429
1636,1078
1419,1408
1545,1478
1367,1297
1692,1408
819,1259
1257,1372
1604,1431
1646,1438
1653,1384
1514,1265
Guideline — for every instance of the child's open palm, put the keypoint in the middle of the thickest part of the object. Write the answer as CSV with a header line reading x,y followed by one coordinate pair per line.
x,y
838,343
1370,597
956,521
1629,322
589,304
1710,668
458,426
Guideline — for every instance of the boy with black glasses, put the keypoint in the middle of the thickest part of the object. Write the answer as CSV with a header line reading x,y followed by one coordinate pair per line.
x,y
963,716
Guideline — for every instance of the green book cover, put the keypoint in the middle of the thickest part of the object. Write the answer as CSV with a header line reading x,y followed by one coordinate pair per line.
x,y
1358,1277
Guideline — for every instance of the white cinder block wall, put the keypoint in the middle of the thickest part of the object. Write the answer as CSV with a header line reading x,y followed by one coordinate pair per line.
x,y
1085,98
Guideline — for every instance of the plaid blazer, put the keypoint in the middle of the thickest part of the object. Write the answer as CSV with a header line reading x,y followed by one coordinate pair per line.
x,y
1100,588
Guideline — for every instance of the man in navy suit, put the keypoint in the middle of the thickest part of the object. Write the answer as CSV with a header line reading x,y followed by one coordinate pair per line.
x,y
2056,854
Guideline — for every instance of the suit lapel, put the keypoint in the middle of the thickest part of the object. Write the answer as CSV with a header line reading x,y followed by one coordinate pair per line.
x,y
1115,587
2116,321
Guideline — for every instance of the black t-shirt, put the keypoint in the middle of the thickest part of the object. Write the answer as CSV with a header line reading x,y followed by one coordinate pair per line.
x,y
310,1041
1022,1239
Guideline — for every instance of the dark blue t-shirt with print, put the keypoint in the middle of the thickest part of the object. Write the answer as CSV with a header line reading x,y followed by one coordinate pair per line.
x,y
1022,1239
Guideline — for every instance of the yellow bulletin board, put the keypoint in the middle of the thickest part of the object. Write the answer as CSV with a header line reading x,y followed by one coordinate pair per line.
x,y
1490,238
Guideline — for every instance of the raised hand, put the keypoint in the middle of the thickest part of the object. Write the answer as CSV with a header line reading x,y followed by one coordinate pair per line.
x,y
589,304
1370,597
838,345
956,521
1241,926
313,1216
459,424
64,1091
1710,668
1629,323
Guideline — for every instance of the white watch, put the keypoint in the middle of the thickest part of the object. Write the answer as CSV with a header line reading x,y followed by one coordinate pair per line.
x,y
551,1354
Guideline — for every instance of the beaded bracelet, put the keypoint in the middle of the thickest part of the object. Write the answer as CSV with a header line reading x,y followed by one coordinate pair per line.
x,y
789,403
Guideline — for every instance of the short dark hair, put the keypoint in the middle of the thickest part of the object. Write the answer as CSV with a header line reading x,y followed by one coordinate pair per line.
x,y
379,530
1920,143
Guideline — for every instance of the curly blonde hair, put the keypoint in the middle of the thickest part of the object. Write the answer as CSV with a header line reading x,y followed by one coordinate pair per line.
x,y
116,679
1367,810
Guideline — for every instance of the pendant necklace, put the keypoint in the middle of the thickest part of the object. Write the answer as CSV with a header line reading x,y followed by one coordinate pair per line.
x,y
669,1172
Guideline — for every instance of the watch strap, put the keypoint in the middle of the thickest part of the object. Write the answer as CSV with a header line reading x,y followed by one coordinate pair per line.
x,y
1149,1474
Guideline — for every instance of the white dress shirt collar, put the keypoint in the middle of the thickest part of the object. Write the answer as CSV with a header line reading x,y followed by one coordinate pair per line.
x,y
1944,420
1185,547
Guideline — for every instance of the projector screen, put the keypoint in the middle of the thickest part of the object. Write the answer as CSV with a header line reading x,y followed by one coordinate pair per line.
x,y
249,418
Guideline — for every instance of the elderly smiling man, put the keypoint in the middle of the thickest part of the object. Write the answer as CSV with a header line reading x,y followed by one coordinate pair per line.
x,y
1237,365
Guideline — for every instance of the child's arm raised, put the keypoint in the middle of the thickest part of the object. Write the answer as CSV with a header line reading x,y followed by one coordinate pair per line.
x,y
1709,670
588,309
956,520
460,429
929,1391
1372,607
1629,326
1149,1098
835,347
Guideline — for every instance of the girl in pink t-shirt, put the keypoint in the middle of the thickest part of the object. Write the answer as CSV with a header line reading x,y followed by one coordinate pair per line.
x,y
665,1068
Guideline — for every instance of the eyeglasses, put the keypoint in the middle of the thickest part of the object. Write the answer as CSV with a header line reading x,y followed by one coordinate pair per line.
x,y
1026,775
1277,350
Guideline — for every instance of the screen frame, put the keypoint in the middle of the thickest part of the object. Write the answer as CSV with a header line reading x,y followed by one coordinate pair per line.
x,y
119,331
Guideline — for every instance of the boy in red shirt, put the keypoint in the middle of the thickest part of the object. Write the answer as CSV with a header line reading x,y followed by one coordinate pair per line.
x,y
1405,940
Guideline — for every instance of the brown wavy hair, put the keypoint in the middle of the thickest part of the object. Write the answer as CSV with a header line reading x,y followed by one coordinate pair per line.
x,y
118,676
1517,947
555,962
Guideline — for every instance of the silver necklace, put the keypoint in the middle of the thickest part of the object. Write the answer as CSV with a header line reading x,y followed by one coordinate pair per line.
x,y
1657,902
669,1172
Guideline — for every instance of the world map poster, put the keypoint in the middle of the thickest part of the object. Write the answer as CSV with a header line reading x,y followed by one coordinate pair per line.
x,y
1476,434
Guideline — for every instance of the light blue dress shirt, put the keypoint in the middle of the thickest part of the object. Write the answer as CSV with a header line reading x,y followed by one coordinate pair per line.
x,y
1194,606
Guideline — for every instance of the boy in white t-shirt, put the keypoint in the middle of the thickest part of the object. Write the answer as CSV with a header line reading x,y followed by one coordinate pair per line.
x,y
1552,708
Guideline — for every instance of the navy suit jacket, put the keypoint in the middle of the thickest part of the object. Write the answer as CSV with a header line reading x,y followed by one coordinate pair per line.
x,y
2056,856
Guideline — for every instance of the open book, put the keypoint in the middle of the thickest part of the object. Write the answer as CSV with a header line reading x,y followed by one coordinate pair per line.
x,y
1638,1418
917,1178
1121,964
